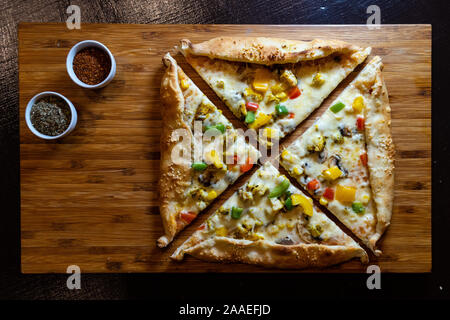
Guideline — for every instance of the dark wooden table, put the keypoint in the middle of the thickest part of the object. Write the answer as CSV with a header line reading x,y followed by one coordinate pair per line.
x,y
14,285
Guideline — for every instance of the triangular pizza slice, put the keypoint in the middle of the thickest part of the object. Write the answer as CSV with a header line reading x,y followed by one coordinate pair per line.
x,y
272,83
190,180
346,158
271,223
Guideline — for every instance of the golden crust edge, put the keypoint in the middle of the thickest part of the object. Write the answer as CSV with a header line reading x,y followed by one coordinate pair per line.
x,y
381,153
266,51
267,254
171,174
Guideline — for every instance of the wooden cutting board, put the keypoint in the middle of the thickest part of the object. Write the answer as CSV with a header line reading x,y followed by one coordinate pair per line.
x,y
91,200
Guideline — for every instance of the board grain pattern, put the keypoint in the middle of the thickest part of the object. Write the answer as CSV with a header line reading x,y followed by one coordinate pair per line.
x,y
91,200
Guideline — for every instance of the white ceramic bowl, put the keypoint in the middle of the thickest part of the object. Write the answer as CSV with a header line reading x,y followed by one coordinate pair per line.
x,y
85,44
73,113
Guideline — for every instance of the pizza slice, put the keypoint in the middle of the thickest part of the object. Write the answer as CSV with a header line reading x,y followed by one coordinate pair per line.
x,y
272,83
271,223
346,158
191,177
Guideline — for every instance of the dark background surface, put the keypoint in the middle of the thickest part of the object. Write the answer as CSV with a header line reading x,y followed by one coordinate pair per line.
x,y
219,287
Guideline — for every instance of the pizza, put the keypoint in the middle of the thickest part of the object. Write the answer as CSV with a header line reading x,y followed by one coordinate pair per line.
x,y
189,184
271,223
272,84
346,158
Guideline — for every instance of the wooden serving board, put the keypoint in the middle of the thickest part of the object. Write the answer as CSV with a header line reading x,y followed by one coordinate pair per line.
x,y
91,200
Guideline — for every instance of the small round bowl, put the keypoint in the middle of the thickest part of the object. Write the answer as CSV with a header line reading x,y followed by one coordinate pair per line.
x,y
80,46
73,113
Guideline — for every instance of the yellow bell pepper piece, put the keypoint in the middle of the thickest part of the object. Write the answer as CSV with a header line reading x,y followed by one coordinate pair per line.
x,y
261,81
306,203
358,104
211,195
261,120
332,173
221,232
256,236
345,194
213,157
184,84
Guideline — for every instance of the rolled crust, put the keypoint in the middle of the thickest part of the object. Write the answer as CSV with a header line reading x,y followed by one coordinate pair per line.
x,y
266,51
268,254
173,176
380,149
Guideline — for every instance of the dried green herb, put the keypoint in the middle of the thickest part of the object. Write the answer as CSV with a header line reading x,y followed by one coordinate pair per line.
x,y
50,116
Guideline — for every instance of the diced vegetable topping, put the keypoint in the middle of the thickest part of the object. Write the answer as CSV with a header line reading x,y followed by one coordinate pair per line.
x,y
289,77
358,104
345,194
211,195
219,126
291,115
315,231
318,80
358,207
187,216
270,132
282,96
213,157
360,123
297,171
304,202
251,106
288,203
202,227
281,110
250,117
184,84
199,166
261,120
247,165
328,194
236,212
261,80
323,201
313,185
280,189
332,173
337,107
221,232
294,93
363,158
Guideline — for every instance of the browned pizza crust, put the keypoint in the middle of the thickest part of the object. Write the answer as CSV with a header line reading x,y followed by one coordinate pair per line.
x,y
173,176
268,254
380,147
267,50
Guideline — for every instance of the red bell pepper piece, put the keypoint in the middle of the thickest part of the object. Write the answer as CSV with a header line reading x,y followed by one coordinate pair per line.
x,y
313,185
251,106
291,115
328,194
360,123
247,165
294,93
188,216
363,158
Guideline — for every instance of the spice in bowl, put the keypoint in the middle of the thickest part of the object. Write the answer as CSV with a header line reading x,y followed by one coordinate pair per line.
x,y
91,65
50,116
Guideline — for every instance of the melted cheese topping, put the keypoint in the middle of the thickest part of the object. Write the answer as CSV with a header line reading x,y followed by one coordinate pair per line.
x,y
207,184
336,141
264,218
234,82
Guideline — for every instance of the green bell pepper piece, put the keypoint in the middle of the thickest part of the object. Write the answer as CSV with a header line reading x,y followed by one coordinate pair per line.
x,y
250,117
358,207
337,107
236,212
199,166
281,110
280,189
